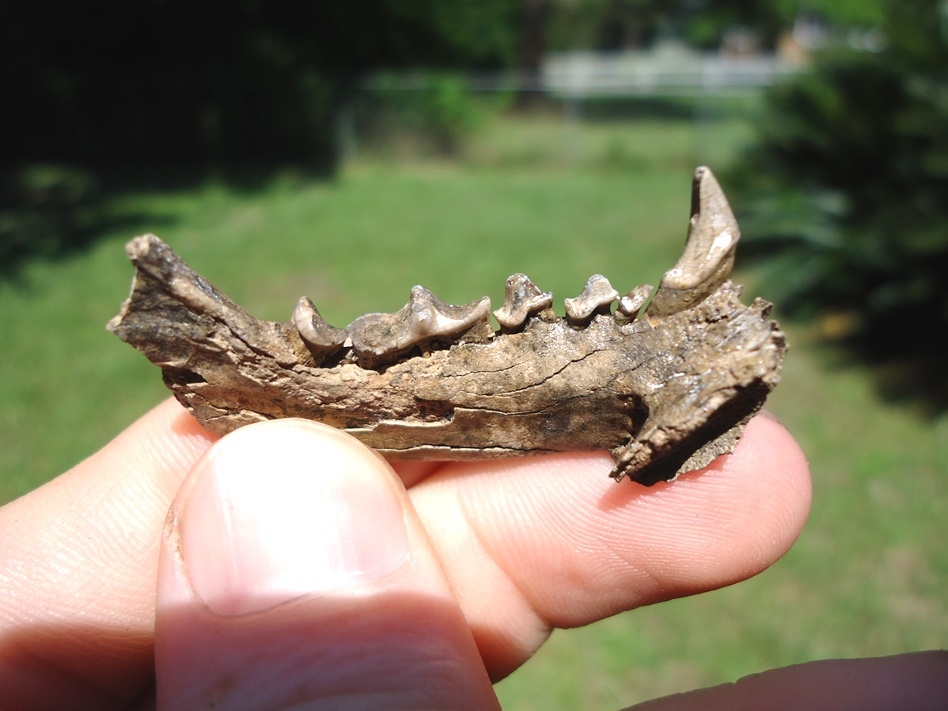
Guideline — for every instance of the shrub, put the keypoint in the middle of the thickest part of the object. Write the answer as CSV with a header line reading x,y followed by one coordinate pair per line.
x,y
846,192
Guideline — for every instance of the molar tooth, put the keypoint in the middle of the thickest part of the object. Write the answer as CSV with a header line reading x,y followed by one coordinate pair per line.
x,y
380,338
630,304
596,297
708,257
522,298
322,339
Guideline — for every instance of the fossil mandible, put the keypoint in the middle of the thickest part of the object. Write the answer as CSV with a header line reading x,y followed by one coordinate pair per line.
x,y
665,382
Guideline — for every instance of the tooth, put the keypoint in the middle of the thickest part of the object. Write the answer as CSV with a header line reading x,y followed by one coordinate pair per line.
x,y
630,304
708,257
522,298
322,339
379,338
596,297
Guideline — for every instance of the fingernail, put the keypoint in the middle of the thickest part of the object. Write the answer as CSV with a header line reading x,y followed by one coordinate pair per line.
x,y
285,509
763,412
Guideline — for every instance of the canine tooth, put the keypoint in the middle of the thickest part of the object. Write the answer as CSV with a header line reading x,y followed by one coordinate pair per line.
x,y
708,256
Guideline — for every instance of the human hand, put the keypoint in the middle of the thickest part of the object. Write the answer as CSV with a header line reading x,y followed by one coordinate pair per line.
x,y
295,568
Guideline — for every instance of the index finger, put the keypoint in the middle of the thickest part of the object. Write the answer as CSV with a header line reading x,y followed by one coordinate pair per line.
x,y
79,561
546,542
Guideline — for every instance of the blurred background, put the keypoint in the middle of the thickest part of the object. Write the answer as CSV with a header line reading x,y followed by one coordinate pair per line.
x,y
347,151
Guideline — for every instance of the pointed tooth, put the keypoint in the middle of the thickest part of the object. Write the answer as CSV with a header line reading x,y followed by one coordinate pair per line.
x,y
381,338
630,304
708,256
322,339
596,297
522,299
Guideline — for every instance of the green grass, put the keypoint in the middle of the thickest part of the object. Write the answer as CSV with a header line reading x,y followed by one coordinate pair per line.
x,y
559,201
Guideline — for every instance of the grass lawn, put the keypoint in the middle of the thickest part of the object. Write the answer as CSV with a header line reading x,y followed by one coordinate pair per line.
x,y
558,201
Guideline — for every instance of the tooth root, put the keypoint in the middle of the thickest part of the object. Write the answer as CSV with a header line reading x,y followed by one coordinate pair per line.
x,y
380,338
522,299
322,339
597,296
630,304
708,257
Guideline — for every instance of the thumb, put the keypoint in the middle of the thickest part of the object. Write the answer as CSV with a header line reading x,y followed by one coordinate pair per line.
x,y
295,574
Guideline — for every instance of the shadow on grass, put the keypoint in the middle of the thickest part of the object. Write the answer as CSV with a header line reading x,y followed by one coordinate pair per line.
x,y
911,371
905,362
50,211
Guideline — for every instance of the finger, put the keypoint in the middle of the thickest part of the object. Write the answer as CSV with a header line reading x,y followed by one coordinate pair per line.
x,y
549,542
294,571
916,681
78,567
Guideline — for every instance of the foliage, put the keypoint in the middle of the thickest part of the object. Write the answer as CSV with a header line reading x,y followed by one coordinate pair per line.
x,y
106,88
606,24
846,189
38,205
631,24
224,82
859,13
432,109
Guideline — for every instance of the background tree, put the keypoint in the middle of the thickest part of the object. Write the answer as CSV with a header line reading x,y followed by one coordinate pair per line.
x,y
846,188
606,24
222,82
104,93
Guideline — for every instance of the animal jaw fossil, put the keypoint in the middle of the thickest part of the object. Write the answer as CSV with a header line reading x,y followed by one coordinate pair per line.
x,y
664,384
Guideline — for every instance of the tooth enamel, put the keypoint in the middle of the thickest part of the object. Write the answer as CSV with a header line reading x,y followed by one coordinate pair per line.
x,y
322,339
596,297
708,256
630,304
522,299
379,338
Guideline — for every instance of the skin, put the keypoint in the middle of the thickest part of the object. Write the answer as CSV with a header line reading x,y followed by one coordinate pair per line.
x,y
294,568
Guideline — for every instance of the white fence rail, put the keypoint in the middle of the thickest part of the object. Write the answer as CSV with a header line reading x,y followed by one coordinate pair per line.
x,y
580,75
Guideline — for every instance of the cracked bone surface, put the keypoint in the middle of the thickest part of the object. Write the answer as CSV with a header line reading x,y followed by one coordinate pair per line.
x,y
664,387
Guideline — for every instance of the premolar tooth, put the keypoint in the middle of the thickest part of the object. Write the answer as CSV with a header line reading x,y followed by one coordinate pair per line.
x,y
596,297
630,304
708,257
522,298
322,339
380,338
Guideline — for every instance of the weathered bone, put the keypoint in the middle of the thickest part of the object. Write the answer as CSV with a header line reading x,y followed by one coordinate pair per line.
x,y
322,339
664,392
381,338
522,299
709,251
596,298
